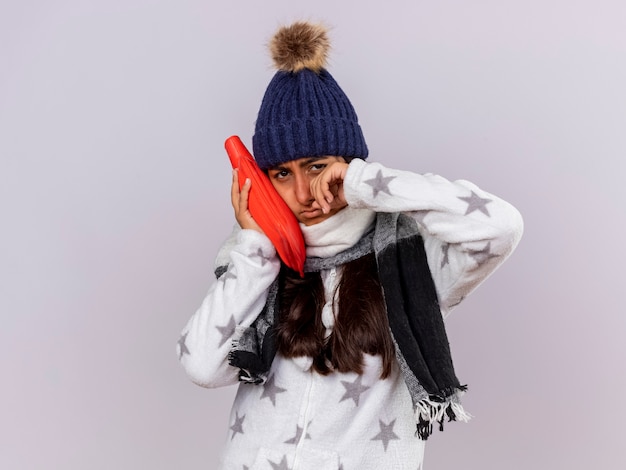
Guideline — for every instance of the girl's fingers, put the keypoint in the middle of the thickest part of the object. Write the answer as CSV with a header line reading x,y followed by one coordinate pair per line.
x,y
327,188
326,192
239,200
243,196
234,190
318,192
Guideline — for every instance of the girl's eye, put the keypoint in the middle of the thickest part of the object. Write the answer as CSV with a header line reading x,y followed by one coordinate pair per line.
x,y
318,166
281,174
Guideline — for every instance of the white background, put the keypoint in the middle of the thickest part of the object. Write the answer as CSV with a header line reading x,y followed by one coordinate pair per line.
x,y
114,197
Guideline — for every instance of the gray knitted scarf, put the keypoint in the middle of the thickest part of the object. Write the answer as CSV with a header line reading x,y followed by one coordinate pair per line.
x,y
415,321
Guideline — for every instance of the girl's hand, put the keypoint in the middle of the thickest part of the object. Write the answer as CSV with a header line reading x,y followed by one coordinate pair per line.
x,y
327,187
239,200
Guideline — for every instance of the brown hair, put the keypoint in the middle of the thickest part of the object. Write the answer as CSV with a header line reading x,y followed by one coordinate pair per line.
x,y
361,324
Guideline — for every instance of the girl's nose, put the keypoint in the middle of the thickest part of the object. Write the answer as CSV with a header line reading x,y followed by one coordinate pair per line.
x,y
303,190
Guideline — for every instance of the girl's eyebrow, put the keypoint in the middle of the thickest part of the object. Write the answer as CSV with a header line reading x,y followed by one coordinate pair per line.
x,y
278,168
301,164
309,160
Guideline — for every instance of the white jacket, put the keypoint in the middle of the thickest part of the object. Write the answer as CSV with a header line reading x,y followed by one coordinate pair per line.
x,y
300,419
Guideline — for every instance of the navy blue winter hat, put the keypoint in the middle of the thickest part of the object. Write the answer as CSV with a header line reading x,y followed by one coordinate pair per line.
x,y
304,112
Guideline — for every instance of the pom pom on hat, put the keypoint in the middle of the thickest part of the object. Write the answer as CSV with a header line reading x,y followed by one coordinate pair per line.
x,y
300,46
304,112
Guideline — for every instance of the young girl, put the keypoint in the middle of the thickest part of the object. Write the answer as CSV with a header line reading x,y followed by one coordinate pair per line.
x,y
348,367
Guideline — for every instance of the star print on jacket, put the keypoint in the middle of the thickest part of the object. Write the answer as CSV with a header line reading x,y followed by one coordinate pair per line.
x,y
182,347
484,255
226,331
444,251
353,390
270,390
380,183
282,465
476,203
259,254
386,433
295,439
238,426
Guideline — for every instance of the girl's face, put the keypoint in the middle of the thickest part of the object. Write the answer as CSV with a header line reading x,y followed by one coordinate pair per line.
x,y
293,179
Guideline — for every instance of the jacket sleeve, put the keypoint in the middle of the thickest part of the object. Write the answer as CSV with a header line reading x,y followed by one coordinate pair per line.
x,y
246,266
467,232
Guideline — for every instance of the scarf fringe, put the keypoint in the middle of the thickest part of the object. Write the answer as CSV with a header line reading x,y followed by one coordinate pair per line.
x,y
245,375
429,412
